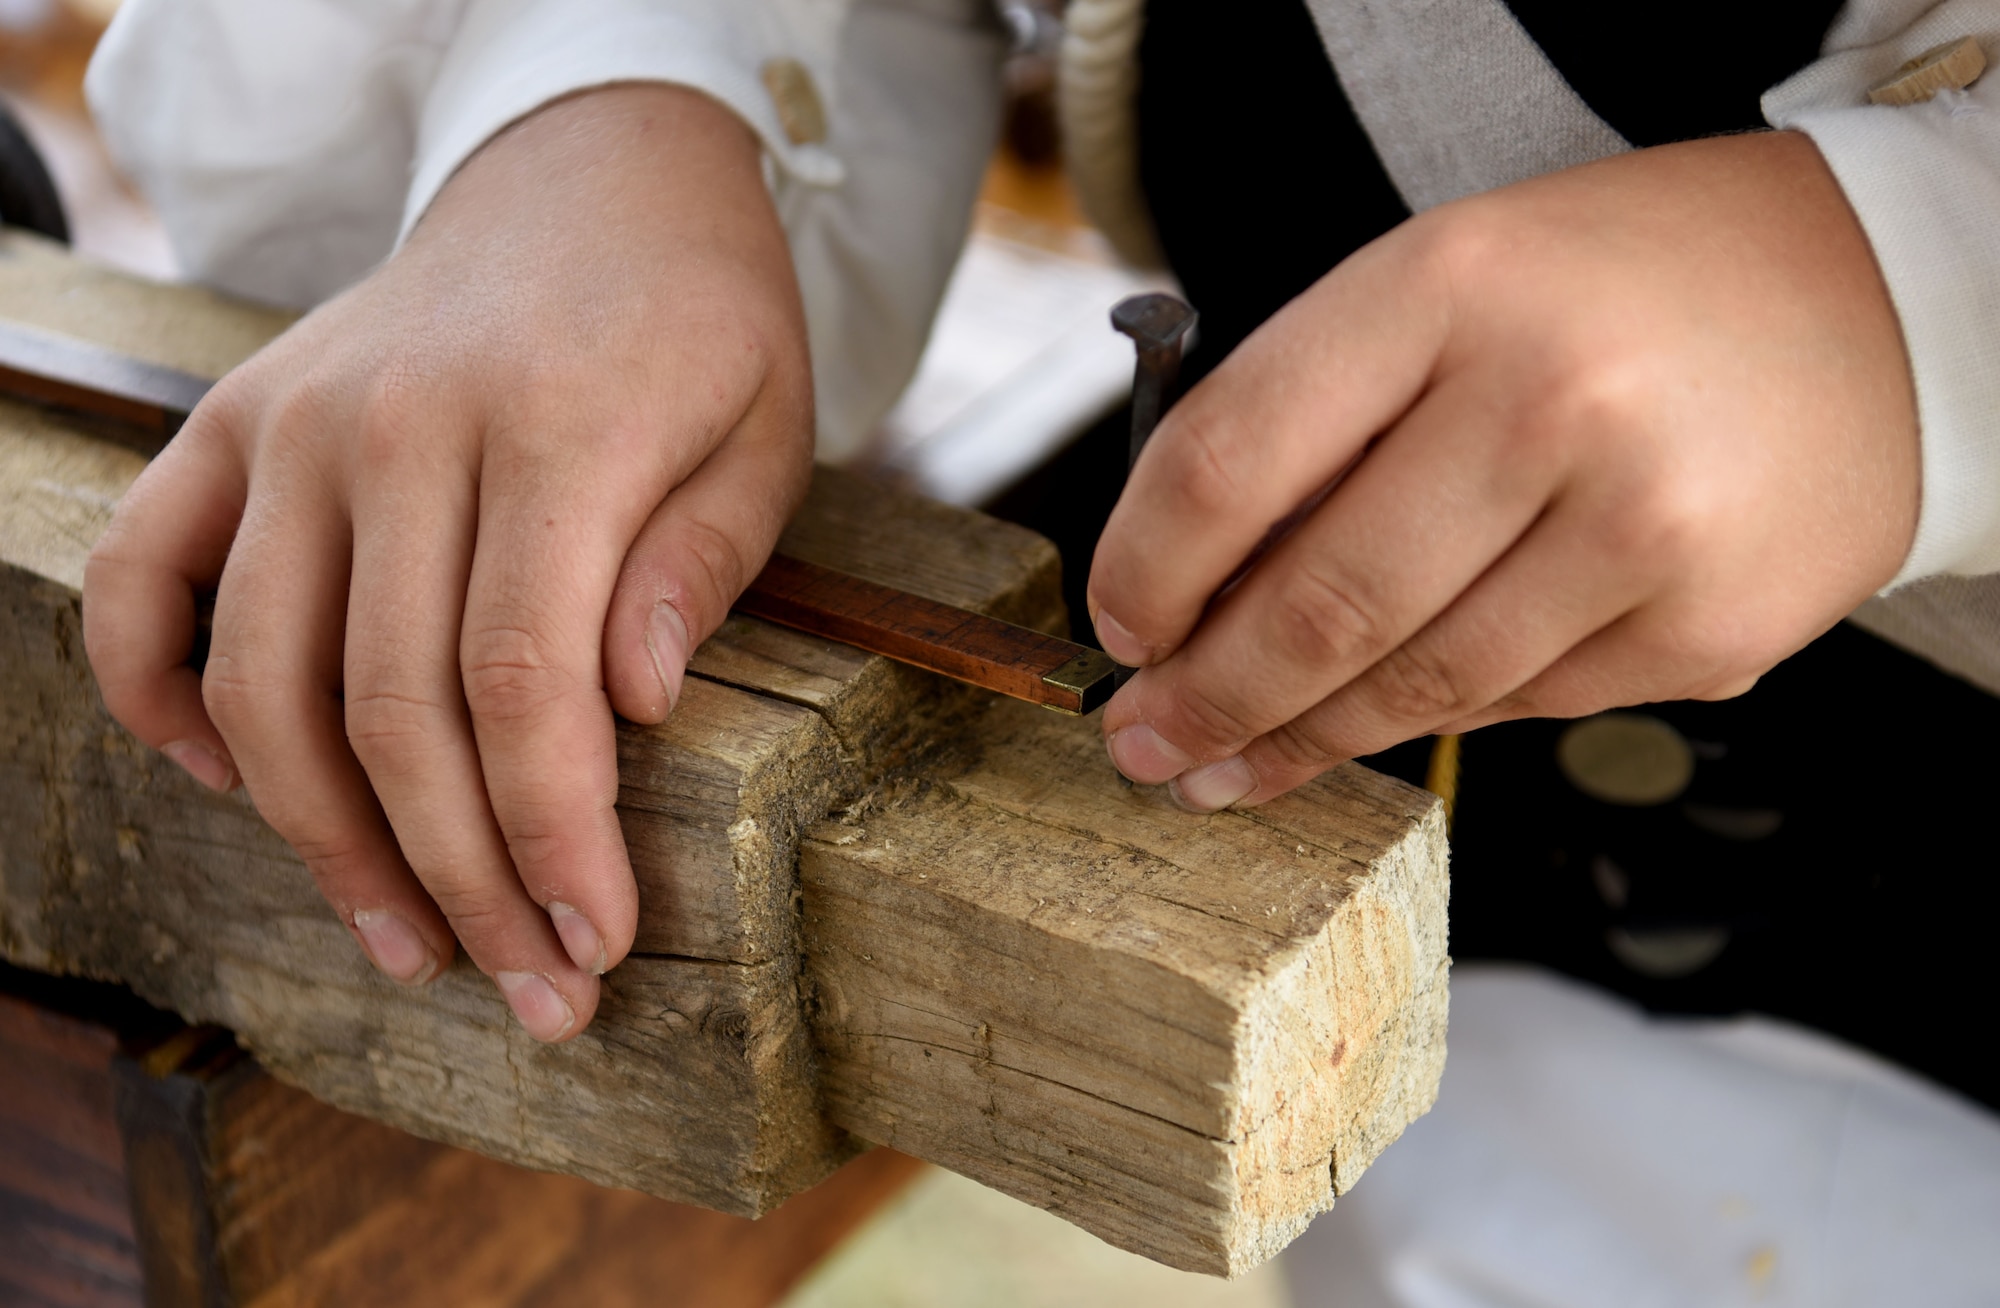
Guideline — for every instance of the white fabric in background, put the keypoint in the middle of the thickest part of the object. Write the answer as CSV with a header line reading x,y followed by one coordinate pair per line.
x,y
288,143
1582,1154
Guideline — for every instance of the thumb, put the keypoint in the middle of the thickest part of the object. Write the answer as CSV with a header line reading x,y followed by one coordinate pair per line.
x,y
705,542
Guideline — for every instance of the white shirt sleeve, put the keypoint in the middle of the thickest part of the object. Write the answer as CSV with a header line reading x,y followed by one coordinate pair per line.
x,y
290,144
1924,180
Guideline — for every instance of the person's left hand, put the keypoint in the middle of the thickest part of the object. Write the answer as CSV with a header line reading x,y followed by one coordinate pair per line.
x,y
1635,431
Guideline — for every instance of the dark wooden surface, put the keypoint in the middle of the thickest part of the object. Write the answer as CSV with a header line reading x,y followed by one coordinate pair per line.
x,y
66,1237
146,1162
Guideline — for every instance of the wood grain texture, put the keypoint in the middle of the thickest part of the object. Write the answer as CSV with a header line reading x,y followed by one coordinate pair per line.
x,y
65,1224
1185,1034
696,1082
127,1139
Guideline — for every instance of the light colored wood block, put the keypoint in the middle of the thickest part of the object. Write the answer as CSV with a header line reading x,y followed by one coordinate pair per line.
x,y
1186,1034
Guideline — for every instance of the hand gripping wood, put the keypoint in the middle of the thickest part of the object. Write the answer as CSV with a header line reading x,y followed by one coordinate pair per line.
x,y
875,904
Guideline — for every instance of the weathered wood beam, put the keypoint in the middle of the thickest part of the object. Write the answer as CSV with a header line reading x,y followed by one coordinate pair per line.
x,y
872,902
1184,1034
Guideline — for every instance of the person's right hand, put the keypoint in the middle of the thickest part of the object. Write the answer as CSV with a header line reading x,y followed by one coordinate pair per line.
x,y
1630,432
459,515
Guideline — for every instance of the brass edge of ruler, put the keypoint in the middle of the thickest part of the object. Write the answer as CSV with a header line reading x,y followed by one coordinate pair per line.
x,y
1090,675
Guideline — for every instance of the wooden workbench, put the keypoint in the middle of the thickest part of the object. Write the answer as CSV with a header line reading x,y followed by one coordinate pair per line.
x,y
875,906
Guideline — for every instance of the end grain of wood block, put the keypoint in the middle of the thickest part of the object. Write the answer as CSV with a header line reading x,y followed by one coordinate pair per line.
x,y
1182,1034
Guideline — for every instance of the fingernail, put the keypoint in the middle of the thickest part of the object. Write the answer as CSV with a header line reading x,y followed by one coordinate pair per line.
x,y
544,1014
395,946
579,937
1214,787
202,763
1121,644
667,642
1142,754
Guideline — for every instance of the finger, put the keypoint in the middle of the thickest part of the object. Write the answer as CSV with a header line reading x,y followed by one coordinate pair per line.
x,y
1425,514
1268,428
1565,581
1660,652
407,722
552,541
272,686
169,538
698,551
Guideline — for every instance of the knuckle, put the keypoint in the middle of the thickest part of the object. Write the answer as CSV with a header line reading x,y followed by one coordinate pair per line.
x,y
475,909
393,410
508,672
1665,524
711,561
1410,686
338,861
1303,748
534,837
1458,242
229,406
1324,619
233,693
1203,723
1202,463
385,726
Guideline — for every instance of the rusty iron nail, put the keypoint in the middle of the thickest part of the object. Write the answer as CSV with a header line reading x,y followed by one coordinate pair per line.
x,y
1158,324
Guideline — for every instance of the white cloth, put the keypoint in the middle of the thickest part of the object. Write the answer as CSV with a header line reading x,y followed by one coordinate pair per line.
x,y
1582,1154
289,143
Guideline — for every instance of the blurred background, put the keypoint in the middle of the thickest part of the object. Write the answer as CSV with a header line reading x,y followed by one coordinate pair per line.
x,y
44,47
1022,362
